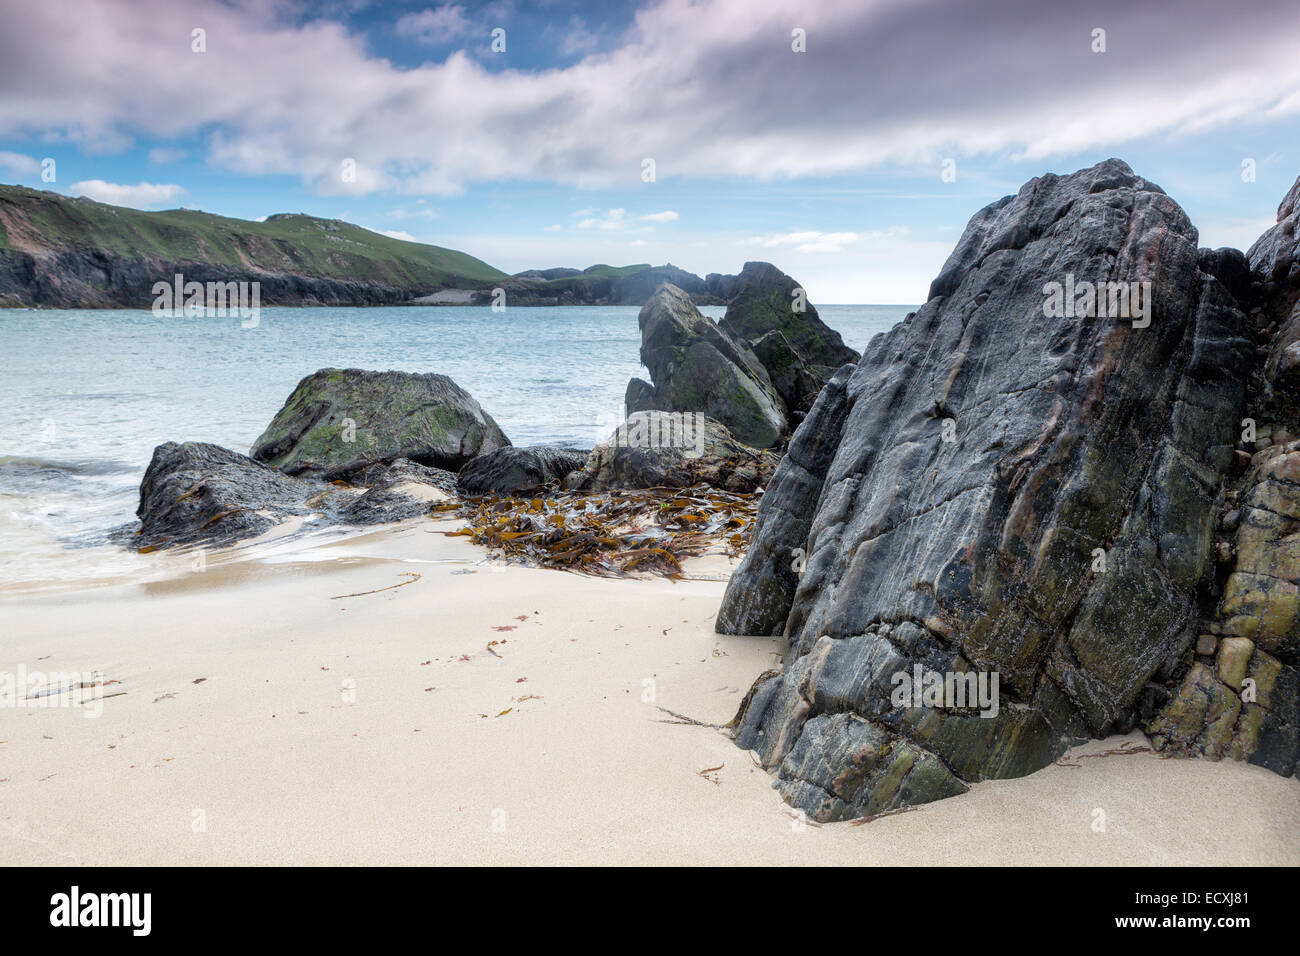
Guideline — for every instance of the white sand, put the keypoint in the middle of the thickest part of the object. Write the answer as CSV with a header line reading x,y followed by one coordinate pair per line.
x,y
423,767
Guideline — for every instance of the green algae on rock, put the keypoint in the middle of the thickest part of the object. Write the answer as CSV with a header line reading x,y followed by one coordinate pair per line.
x,y
338,422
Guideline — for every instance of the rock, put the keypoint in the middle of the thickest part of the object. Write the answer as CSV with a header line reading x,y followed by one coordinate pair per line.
x,y
986,447
197,493
792,377
696,367
398,492
762,588
767,300
1234,660
1273,258
511,470
338,422
672,450
639,397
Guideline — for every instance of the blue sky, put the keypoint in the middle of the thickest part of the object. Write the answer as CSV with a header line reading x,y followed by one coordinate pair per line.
x,y
828,162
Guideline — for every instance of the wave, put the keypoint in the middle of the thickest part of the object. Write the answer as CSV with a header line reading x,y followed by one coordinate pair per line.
x,y
15,464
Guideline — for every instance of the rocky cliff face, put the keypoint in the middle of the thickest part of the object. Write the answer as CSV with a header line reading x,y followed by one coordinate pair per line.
x,y
1020,483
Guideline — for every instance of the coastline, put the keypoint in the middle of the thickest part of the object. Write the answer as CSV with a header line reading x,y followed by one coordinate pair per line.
x,y
570,765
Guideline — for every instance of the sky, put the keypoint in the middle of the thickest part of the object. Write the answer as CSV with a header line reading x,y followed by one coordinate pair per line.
x,y
846,141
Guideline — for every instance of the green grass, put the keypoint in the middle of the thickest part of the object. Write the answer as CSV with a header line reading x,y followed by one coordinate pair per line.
x,y
292,243
612,272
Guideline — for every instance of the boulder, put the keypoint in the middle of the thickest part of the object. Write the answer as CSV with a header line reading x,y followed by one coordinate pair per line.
x,y
793,378
639,397
194,493
338,422
767,300
696,367
1004,491
511,470
658,449
397,492
197,493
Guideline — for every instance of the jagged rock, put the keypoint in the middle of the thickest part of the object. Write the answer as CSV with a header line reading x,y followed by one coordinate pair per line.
x,y
659,449
197,493
765,299
792,377
639,397
989,448
696,367
509,471
338,422
761,590
397,492
1247,706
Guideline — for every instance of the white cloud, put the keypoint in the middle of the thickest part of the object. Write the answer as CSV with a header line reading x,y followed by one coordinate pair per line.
x,y
666,216
577,38
613,219
166,154
708,87
398,234
435,26
139,196
806,241
17,165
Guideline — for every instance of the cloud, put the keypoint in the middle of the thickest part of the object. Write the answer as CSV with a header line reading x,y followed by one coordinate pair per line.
x,y
577,38
436,26
708,88
806,241
613,219
162,155
139,196
17,165
398,234
666,216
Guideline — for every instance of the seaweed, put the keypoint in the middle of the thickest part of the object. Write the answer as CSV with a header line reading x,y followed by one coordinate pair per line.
x,y
609,534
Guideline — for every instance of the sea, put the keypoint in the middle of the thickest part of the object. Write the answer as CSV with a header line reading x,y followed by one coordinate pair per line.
x,y
86,395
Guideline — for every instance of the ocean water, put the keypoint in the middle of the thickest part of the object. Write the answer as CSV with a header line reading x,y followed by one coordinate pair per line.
x,y
86,395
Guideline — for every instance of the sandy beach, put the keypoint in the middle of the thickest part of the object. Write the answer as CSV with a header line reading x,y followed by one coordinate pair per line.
x,y
267,720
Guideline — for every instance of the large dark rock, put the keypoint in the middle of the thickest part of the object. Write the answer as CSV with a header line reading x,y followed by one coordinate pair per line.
x,y
339,422
397,492
767,300
1240,695
761,590
1011,491
511,471
797,382
197,493
659,449
696,367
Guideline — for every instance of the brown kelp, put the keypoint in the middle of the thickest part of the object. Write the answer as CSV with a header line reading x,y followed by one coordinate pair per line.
x,y
610,534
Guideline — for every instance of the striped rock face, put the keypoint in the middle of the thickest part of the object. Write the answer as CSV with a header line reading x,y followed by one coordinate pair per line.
x,y
1009,495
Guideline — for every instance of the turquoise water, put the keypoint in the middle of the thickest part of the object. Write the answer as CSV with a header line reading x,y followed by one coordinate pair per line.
x,y
87,394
